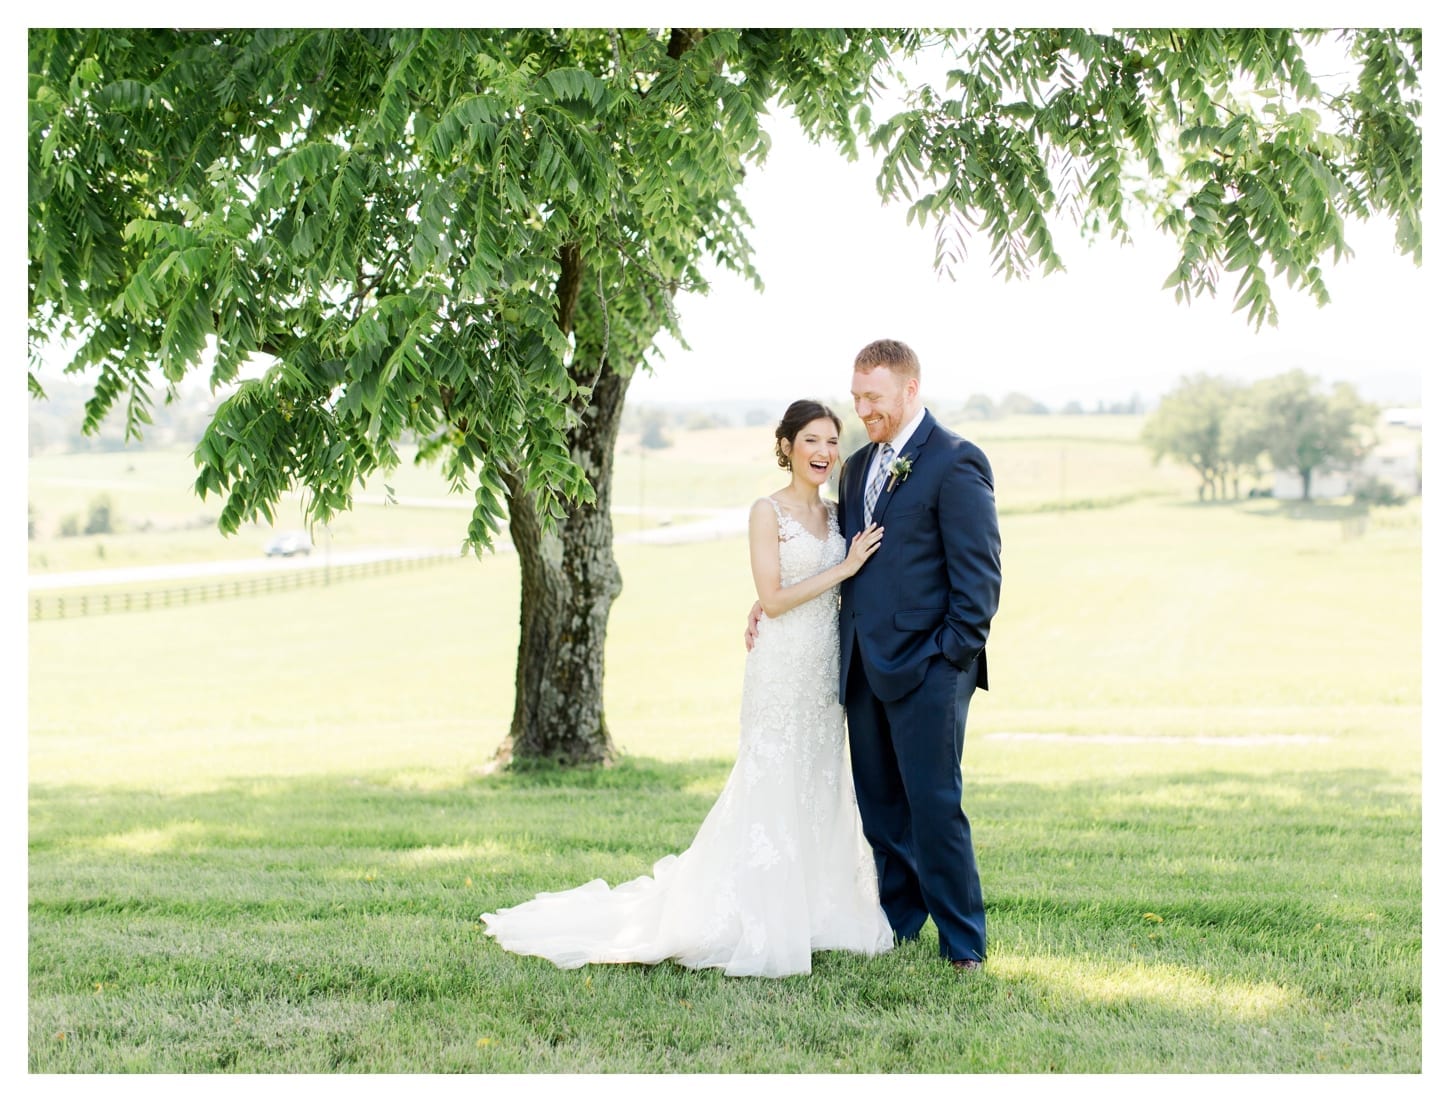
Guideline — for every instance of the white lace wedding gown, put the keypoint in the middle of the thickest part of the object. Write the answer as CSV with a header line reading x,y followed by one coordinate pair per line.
x,y
779,867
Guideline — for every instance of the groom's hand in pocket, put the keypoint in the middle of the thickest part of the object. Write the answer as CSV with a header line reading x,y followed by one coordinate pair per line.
x,y
752,626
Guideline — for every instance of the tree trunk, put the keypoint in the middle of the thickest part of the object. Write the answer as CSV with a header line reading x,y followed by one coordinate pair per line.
x,y
1305,475
569,581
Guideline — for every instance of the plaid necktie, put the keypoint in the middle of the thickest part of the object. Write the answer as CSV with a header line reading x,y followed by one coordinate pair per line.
x,y
878,480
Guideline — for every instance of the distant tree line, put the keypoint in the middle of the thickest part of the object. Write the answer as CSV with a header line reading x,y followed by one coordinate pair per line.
x,y
980,407
100,520
1225,430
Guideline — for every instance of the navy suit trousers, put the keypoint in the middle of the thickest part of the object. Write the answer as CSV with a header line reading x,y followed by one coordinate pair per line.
x,y
906,759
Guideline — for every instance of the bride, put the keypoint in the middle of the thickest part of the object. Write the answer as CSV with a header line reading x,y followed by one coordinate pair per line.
x,y
779,867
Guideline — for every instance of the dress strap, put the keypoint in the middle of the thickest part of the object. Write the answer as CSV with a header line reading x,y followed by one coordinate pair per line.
x,y
783,520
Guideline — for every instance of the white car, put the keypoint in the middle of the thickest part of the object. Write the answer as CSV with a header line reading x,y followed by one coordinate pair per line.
x,y
288,544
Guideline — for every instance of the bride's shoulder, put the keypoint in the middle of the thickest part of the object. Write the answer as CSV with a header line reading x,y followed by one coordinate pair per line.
x,y
765,504
765,510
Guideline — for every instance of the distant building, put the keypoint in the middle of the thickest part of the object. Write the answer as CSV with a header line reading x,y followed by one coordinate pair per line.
x,y
1411,417
1396,464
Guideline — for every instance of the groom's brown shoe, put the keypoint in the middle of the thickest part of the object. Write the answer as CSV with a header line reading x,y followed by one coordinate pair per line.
x,y
967,965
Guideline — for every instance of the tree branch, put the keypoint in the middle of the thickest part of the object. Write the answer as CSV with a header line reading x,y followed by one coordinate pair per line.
x,y
566,291
682,39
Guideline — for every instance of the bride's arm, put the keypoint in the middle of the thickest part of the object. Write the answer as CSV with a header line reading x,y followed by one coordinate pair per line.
x,y
776,599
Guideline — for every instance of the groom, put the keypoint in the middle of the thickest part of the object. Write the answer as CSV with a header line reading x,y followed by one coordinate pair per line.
x,y
914,625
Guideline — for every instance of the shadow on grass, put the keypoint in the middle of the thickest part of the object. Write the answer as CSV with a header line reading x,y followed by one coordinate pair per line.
x,y
547,809
641,774
1276,509
1222,804
1233,849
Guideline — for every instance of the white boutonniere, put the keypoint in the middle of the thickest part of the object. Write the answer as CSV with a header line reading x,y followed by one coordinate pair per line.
x,y
900,471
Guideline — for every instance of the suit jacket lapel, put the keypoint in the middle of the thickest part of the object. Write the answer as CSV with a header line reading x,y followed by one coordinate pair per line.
x,y
913,448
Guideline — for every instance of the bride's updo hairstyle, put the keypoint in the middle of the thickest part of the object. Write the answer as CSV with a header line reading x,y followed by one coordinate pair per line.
x,y
797,416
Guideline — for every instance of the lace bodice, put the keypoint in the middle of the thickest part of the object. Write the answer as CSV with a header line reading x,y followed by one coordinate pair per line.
x,y
803,554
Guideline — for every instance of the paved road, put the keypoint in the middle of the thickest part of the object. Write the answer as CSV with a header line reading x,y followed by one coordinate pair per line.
x,y
715,524
719,524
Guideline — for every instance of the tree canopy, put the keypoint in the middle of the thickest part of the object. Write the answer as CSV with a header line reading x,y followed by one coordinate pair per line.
x,y
1193,426
447,234
444,234
1304,429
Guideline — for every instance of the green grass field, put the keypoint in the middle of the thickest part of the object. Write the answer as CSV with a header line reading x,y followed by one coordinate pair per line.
x,y
262,830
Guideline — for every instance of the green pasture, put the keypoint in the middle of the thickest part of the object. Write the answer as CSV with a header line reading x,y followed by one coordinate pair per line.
x,y
158,519
262,830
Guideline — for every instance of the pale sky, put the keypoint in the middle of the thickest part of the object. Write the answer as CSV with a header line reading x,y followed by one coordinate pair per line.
x,y
840,270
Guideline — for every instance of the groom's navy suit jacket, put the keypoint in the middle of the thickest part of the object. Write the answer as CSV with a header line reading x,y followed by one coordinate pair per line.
x,y
932,587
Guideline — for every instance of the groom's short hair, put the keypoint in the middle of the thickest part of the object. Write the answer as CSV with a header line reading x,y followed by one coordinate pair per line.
x,y
887,353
